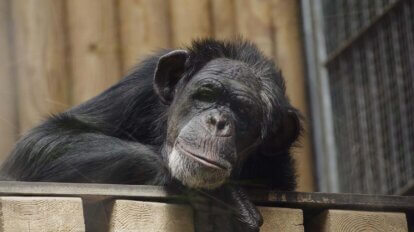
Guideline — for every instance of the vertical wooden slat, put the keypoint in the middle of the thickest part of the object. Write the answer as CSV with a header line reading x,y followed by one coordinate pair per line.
x,y
144,29
289,57
95,61
8,113
254,22
189,20
40,53
223,19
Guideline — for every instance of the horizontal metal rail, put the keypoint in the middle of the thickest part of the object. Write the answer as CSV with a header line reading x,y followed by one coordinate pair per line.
x,y
317,201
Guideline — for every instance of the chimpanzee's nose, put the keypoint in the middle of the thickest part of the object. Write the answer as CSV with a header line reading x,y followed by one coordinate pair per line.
x,y
219,124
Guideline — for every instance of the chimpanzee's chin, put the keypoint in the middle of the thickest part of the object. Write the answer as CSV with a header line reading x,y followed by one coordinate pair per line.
x,y
194,174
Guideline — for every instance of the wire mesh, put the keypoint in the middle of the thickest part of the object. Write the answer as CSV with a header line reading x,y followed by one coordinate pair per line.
x,y
370,64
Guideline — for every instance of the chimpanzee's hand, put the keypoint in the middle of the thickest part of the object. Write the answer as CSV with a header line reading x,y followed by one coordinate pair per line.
x,y
226,209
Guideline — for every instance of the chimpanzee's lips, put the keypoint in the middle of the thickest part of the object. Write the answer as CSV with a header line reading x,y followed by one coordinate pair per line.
x,y
203,160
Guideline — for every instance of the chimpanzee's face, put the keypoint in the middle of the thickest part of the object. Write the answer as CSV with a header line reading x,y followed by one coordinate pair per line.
x,y
214,122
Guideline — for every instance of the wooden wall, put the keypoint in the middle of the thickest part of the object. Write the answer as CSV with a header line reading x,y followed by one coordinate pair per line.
x,y
58,53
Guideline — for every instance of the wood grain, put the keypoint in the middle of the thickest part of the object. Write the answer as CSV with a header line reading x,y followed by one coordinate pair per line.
x,y
290,58
94,45
41,214
223,19
8,109
281,219
189,20
40,52
144,28
254,22
150,217
353,221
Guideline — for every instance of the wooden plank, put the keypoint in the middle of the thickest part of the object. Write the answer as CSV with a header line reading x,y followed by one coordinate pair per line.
x,y
302,200
41,68
349,221
189,20
254,22
223,19
41,214
289,56
144,29
8,109
281,219
95,58
150,217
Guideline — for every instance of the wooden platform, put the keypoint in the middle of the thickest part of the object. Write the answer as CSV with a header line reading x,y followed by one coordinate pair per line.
x,y
38,206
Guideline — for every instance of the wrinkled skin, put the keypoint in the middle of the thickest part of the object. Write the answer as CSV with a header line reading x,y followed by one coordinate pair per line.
x,y
212,128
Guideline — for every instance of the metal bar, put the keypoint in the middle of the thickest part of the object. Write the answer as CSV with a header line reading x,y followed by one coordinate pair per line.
x,y
320,96
401,122
408,11
336,201
375,96
261,197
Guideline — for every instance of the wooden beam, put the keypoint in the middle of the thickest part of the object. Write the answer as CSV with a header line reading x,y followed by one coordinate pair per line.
x,y
144,29
41,214
150,216
94,46
281,219
189,20
8,103
349,221
254,22
41,68
290,58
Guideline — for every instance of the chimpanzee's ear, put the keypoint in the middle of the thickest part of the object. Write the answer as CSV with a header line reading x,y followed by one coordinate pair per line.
x,y
285,135
169,70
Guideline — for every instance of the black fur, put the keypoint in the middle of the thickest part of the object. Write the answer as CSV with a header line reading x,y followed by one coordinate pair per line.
x,y
117,137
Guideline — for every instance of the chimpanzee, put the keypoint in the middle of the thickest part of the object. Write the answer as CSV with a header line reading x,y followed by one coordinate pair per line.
x,y
212,117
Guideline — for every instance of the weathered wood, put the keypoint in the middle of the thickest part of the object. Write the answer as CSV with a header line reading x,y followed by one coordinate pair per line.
x,y
281,219
150,217
41,68
260,197
349,221
254,22
189,20
94,46
144,29
8,109
289,56
223,19
41,214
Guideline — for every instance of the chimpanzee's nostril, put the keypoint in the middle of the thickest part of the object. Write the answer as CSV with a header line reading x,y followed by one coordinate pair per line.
x,y
212,121
221,125
218,124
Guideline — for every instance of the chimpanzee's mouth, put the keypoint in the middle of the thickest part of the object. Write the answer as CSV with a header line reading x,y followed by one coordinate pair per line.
x,y
200,159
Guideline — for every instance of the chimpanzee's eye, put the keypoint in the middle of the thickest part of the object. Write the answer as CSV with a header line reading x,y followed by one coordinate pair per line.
x,y
206,94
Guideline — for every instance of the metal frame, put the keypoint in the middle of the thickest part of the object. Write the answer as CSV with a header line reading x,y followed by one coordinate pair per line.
x,y
95,193
320,98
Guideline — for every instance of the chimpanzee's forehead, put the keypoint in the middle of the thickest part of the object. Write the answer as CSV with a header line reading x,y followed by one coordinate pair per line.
x,y
229,71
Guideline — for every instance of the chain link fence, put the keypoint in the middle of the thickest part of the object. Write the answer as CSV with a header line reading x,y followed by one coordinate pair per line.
x,y
370,67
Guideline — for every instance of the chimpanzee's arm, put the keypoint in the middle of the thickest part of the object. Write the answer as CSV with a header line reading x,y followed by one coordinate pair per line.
x,y
78,154
226,209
